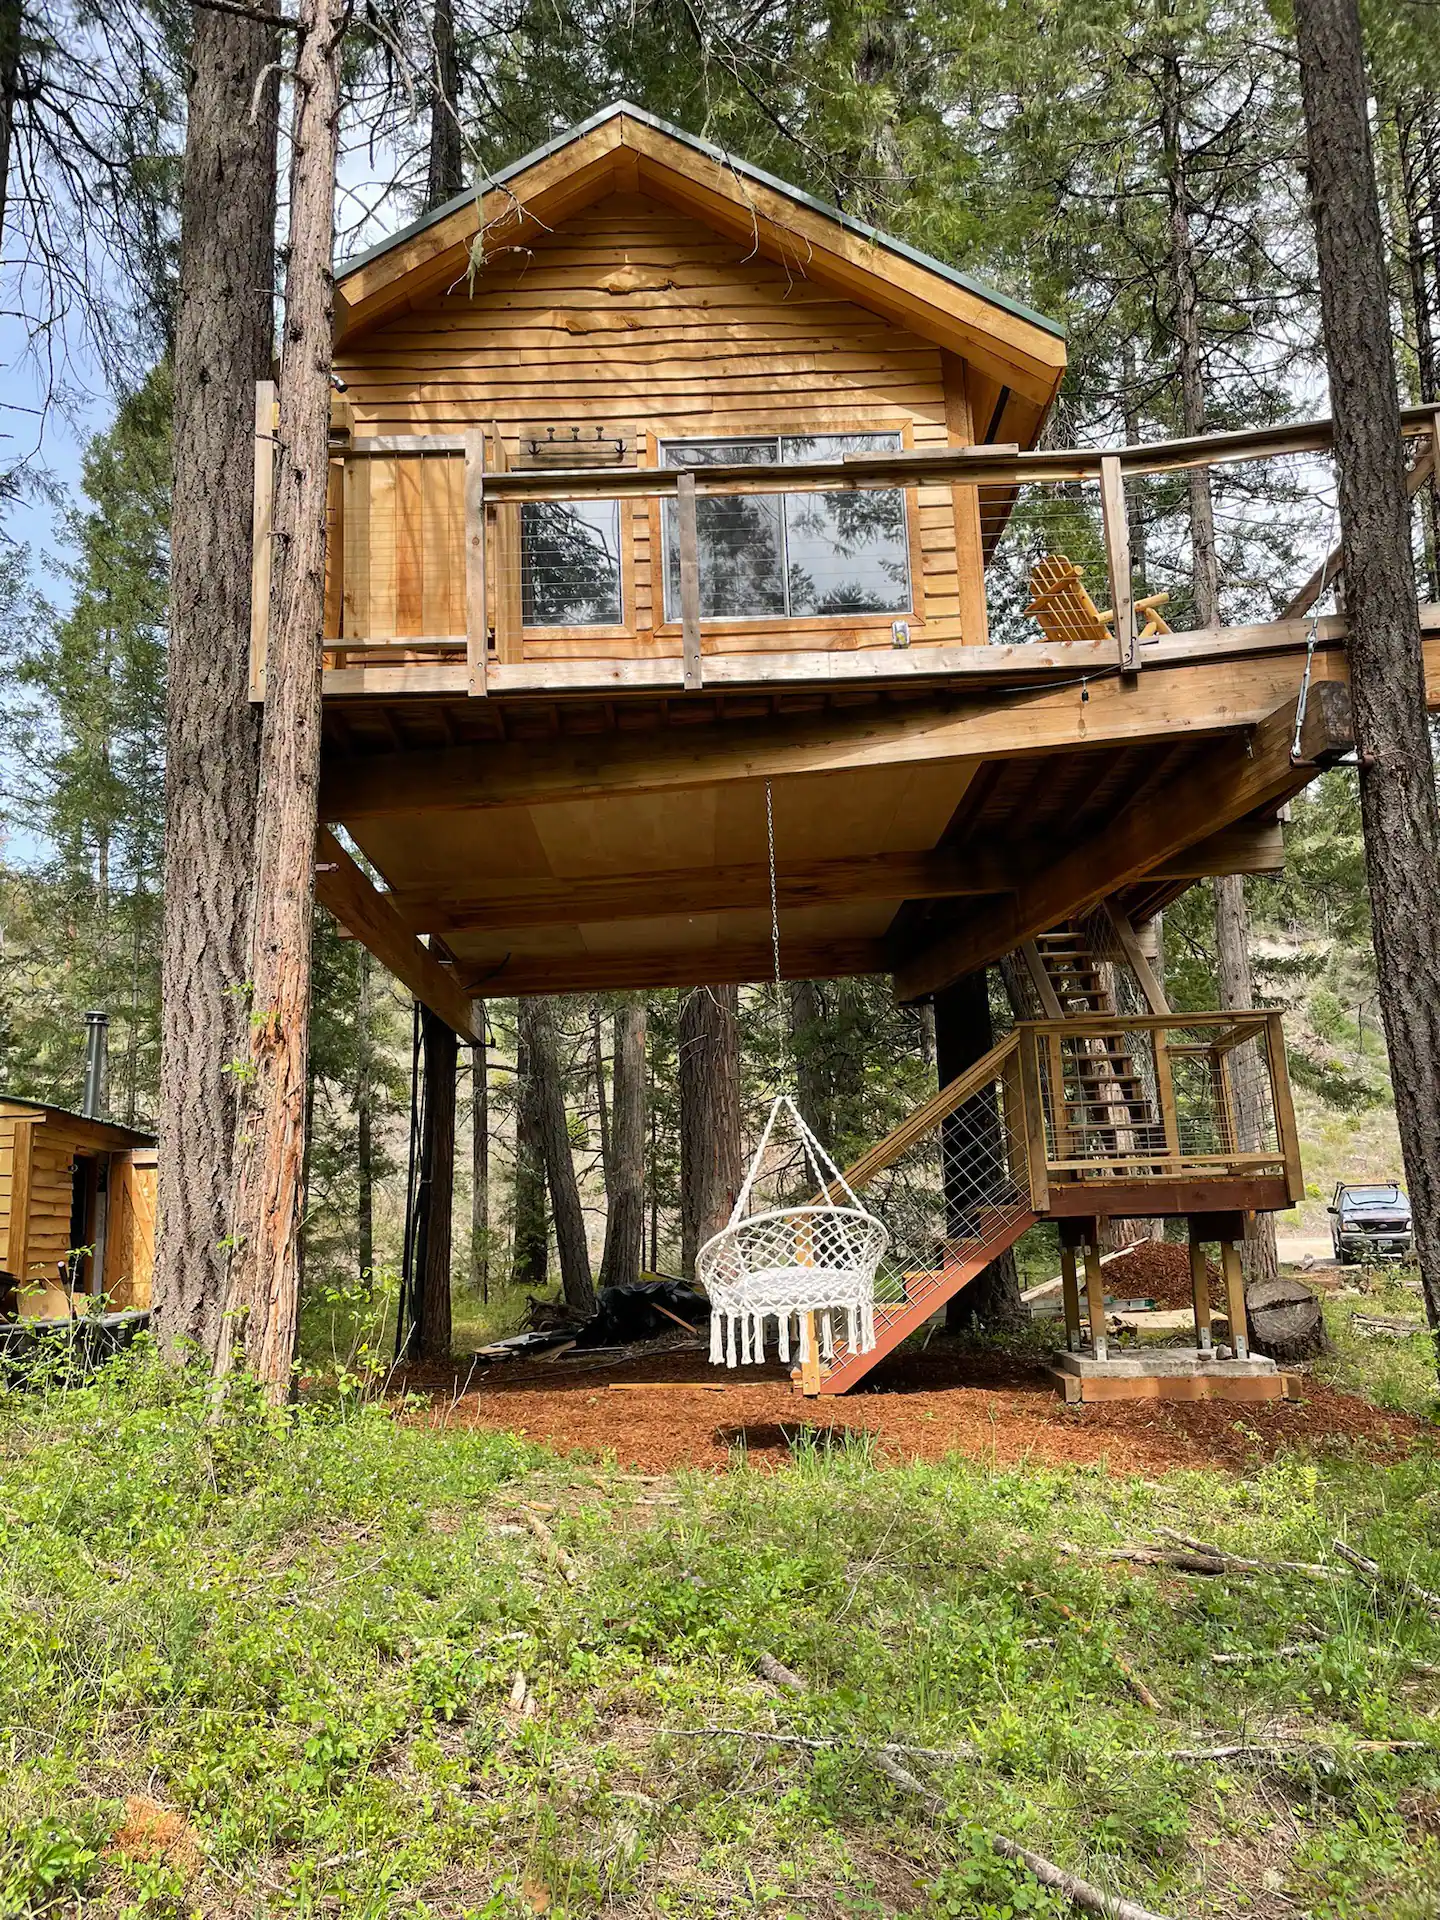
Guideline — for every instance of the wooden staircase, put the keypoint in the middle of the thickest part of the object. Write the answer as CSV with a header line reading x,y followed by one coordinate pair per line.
x,y
1104,1092
993,1218
996,1229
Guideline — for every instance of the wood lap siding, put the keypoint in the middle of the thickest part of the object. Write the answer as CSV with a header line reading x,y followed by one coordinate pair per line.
x,y
636,318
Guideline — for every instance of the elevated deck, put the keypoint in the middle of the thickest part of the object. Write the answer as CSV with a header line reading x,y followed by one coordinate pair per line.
x,y
571,824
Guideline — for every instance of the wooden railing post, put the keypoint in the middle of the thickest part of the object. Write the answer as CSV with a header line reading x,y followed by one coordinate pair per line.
x,y
476,625
689,544
261,527
1117,556
1287,1132
1165,1090
1032,1113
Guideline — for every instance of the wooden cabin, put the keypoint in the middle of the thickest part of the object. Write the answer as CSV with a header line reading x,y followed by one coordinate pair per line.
x,y
663,496
77,1212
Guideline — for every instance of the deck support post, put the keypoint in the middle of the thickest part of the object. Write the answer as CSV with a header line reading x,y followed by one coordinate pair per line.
x,y
1235,1299
1070,1286
1095,1292
1200,1290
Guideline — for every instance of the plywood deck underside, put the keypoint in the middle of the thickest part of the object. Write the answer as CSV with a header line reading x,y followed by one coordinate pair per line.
x,y
446,862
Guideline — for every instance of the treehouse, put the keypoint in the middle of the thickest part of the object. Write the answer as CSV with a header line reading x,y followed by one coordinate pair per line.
x,y
656,487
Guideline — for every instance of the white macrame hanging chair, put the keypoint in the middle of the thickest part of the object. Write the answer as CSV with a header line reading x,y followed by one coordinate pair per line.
x,y
816,1262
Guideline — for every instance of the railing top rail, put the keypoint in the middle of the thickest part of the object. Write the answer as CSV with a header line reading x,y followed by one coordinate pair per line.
x,y
925,1119
978,466
1252,1018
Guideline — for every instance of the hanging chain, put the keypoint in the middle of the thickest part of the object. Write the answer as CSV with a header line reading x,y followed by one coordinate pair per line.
x,y
774,888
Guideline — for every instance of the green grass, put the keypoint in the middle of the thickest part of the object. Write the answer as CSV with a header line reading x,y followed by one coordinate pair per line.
x,y
301,1633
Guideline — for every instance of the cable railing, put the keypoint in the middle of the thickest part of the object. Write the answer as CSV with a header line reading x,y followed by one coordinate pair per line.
x,y
847,555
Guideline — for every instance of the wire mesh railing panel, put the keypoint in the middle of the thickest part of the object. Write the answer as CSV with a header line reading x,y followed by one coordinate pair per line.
x,y
1142,1099
1046,576
955,1192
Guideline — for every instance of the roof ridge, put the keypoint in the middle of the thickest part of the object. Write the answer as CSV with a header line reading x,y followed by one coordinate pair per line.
x,y
623,108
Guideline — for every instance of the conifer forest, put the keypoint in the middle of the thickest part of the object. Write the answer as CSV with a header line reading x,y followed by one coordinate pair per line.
x,y
719,959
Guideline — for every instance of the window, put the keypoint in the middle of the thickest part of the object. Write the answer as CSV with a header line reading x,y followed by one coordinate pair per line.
x,y
570,563
789,555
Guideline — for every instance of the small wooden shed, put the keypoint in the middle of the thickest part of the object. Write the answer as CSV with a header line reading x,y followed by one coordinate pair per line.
x,y
77,1212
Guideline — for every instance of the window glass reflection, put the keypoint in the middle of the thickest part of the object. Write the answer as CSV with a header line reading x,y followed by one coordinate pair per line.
x,y
570,563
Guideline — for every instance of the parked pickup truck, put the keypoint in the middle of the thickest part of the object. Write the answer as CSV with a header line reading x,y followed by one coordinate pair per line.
x,y
1370,1223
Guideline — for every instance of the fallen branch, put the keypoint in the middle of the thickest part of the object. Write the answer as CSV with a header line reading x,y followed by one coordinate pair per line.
x,y
819,1743
1269,1753
1080,1893
554,1552
1194,1561
1373,1571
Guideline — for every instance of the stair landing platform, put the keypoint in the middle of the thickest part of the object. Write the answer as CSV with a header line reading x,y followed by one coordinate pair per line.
x,y
1175,1373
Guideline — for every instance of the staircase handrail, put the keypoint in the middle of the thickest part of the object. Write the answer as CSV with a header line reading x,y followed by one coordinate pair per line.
x,y
924,1119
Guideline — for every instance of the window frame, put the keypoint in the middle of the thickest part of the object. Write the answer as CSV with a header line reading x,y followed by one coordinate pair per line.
x,y
670,623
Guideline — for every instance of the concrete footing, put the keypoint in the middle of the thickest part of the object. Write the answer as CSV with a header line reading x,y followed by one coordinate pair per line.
x,y
1171,1373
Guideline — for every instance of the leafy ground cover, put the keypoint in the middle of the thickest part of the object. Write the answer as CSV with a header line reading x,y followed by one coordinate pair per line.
x,y
338,1662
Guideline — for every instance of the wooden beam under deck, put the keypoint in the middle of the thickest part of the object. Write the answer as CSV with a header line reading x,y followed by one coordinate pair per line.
x,y
942,874
1205,697
1238,776
688,967
373,919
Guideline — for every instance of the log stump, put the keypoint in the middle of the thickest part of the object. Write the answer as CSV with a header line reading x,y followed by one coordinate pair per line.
x,y
1286,1323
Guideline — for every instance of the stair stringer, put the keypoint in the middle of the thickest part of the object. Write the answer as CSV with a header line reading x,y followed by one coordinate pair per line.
x,y
896,1323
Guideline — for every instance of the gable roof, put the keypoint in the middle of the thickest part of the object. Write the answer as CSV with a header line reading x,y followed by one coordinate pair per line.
x,y
622,145
105,1133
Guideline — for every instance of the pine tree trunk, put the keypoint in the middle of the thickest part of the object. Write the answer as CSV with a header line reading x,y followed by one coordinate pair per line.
x,y
624,1252
445,176
1387,676
964,1033
263,1285
709,1075
1417,131
597,1074
530,1250
437,1158
554,1130
480,1163
364,1120
11,26
223,344
1237,993
807,1045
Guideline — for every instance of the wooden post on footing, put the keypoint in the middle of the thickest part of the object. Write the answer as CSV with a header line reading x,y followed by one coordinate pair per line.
x,y
809,1355
1070,1239
1235,1298
1095,1295
1200,1291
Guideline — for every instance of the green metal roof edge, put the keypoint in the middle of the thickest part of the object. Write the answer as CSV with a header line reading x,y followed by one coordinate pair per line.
x,y
736,165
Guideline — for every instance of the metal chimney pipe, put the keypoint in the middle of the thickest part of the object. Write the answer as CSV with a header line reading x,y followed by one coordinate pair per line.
x,y
97,1032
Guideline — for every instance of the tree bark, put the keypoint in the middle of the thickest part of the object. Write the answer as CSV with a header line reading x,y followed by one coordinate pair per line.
x,y
1237,994
554,1130
12,20
445,176
480,1162
807,1045
530,1241
624,1252
431,1339
1387,677
964,1033
364,1120
263,1285
223,345
709,1076
597,1073
1418,135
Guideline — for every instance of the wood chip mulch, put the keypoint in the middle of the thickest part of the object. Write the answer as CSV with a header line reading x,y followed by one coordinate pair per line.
x,y
919,1406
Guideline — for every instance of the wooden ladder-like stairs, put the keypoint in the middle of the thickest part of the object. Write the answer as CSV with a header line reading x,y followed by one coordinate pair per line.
x,y
1104,1091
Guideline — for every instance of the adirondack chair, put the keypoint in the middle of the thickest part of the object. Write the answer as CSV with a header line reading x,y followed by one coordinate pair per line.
x,y
1060,603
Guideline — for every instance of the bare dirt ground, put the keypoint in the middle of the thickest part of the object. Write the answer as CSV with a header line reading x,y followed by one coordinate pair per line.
x,y
917,1406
